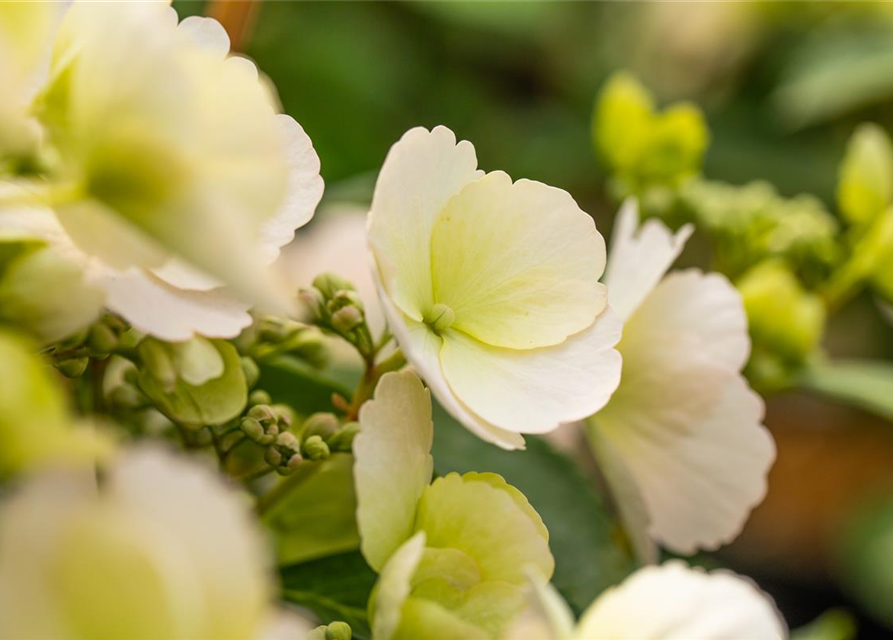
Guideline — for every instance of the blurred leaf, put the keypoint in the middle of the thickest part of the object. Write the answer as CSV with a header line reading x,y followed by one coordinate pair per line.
x,y
334,588
867,384
318,518
590,551
831,625
305,389
865,186
863,554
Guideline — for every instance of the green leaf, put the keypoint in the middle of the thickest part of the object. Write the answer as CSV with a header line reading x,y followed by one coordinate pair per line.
x,y
866,384
300,386
585,537
865,182
334,588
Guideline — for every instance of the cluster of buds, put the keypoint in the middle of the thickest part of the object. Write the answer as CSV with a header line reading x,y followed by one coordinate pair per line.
x,y
269,426
327,432
335,631
334,305
272,336
104,337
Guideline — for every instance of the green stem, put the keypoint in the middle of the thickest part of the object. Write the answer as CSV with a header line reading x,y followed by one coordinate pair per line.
x,y
274,496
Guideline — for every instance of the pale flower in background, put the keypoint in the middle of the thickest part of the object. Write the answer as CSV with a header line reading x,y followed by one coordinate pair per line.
x,y
669,602
681,441
161,548
491,289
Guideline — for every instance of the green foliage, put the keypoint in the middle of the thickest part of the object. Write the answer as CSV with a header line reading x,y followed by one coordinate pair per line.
x,y
867,384
334,588
865,182
591,553
835,624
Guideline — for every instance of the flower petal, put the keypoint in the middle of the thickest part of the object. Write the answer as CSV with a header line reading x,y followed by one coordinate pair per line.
x,y
699,482
534,391
673,601
394,585
422,349
547,616
161,310
393,463
422,171
518,263
639,258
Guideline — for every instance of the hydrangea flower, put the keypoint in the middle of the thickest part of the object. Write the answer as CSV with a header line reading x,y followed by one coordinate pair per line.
x,y
681,440
491,289
172,173
450,553
160,549
665,602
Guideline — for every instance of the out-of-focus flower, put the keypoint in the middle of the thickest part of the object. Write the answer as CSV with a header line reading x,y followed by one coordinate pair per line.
x,y
36,428
682,412
865,180
158,549
450,553
665,602
168,168
487,286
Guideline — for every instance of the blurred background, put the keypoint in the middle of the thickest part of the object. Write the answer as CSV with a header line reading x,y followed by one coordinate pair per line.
x,y
783,86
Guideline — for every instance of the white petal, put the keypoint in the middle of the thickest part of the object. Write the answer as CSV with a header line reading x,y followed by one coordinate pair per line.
x,y
393,463
535,390
673,602
303,190
422,349
207,33
518,263
547,616
165,312
639,257
700,482
422,171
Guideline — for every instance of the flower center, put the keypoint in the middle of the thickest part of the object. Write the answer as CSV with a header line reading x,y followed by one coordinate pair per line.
x,y
440,317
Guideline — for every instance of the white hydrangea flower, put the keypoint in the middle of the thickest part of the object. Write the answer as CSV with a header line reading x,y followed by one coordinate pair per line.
x,y
491,289
681,440
161,549
669,602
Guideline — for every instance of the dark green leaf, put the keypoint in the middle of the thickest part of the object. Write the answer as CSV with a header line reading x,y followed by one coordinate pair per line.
x,y
304,389
585,537
334,588
867,384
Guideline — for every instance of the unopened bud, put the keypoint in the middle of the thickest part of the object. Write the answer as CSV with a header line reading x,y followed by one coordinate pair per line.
x,y
262,412
273,457
251,371
347,319
329,284
343,439
259,396
102,338
287,440
253,429
314,448
338,631
73,368
323,425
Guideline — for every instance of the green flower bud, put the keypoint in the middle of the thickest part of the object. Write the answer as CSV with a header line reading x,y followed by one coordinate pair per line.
x,y
338,631
288,440
310,346
313,301
262,413
74,367
259,396
252,428
323,425
785,319
273,457
251,371
314,448
347,319
343,440
865,182
102,339
329,284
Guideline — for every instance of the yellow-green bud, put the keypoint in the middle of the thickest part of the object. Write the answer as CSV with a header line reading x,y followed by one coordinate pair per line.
x,y
338,631
785,319
273,457
343,440
253,429
73,368
251,371
314,448
259,396
347,319
288,440
320,424
329,284
102,338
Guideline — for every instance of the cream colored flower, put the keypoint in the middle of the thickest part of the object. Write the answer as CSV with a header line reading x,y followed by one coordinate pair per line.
x,y
670,602
160,549
491,288
681,440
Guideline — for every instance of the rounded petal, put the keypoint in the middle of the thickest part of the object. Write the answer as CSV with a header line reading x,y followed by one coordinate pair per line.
x,y
534,391
639,258
207,33
422,349
421,173
393,463
393,587
673,601
518,263
488,520
699,482
547,616
171,314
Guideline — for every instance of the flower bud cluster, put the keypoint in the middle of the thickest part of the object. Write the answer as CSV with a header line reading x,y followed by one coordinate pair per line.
x,y
336,631
334,304
272,336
